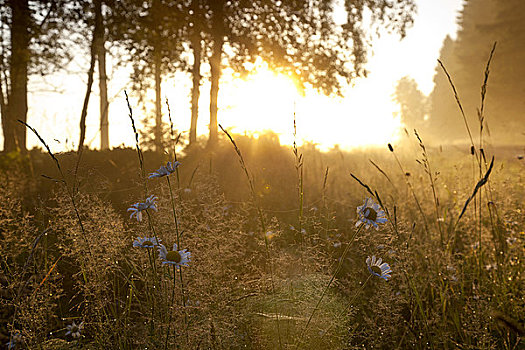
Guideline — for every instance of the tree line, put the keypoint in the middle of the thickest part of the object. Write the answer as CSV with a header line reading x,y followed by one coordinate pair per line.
x,y
500,113
299,38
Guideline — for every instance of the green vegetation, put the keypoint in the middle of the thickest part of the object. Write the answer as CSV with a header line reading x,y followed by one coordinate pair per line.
x,y
254,278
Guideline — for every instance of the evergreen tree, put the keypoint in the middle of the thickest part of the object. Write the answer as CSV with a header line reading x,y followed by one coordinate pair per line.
x,y
483,22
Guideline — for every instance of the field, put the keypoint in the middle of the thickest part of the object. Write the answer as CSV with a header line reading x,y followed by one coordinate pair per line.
x,y
278,248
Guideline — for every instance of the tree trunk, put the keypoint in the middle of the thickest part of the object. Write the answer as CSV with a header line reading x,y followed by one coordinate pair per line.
x,y
15,137
195,92
158,109
3,99
96,34
83,114
102,80
215,65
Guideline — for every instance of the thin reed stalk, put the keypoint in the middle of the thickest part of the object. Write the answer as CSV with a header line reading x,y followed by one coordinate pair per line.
x,y
174,142
261,221
179,247
418,204
64,182
172,303
482,159
428,170
458,101
137,146
325,207
300,180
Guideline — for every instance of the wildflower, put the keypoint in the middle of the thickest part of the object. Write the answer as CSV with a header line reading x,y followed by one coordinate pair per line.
x,y
137,208
376,268
165,170
146,242
174,257
16,337
270,235
75,330
370,213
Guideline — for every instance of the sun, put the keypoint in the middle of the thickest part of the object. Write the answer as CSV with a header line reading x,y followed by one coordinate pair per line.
x,y
262,101
266,101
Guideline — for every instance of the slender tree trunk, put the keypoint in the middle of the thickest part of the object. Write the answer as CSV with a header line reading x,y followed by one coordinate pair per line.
x,y
215,64
91,71
15,137
3,100
4,91
195,92
83,114
158,109
102,80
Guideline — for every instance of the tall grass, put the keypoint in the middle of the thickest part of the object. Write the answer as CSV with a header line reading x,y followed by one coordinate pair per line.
x,y
457,275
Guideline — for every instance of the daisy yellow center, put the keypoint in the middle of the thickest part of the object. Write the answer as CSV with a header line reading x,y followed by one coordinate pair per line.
x,y
173,256
74,329
370,214
147,243
376,269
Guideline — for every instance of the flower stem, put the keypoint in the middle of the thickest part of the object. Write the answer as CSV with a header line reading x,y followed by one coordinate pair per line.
x,y
179,247
154,270
151,227
172,303
174,212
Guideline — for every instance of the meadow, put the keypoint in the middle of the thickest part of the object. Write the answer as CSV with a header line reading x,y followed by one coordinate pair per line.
x,y
281,242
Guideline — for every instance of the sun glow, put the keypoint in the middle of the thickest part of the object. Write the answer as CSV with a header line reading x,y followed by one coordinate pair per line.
x,y
267,101
262,101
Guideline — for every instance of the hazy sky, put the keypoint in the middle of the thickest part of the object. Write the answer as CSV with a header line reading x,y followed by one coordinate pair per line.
x,y
366,116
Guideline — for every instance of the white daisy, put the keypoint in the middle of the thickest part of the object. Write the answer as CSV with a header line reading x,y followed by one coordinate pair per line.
x,y
146,242
167,170
75,330
370,214
381,270
137,208
174,257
